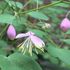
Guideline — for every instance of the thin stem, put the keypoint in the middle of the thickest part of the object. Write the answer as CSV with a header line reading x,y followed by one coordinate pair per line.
x,y
51,41
67,14
45,6
37,5
26,3
3,31
66,2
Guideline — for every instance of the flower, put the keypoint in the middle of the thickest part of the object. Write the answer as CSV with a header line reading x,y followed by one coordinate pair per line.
x,y
31,42
11,32
65,24
46,25
37,41
24,34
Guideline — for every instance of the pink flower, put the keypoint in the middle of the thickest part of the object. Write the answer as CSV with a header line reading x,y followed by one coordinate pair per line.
x,y
11,32
65,24
31,42
24,34
34,39
37,41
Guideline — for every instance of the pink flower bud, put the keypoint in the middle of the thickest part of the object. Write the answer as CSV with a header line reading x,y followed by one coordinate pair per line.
x,y
65,24
11,32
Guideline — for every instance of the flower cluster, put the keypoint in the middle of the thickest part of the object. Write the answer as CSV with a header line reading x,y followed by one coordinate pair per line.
x,y
31,42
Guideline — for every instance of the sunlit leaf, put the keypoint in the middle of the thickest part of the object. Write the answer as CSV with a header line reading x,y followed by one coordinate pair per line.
x,y
38,15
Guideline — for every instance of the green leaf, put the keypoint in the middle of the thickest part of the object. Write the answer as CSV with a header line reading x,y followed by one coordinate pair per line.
x,y
3,44
67,41
19,23
15,4
62,54
68,32
24,62
18,61
6,18
6,64
54,11
3,47
38,15
19,5
54,60
62,5
2,5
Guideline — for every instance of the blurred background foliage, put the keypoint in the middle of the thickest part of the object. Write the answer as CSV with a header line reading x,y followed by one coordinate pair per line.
x,y
32,15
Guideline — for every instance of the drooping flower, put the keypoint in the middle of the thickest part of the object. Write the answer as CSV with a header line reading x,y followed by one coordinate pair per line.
x,y
31,42
11,32
24,34
65,24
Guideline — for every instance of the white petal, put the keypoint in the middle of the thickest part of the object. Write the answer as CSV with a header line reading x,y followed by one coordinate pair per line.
x,y
21,35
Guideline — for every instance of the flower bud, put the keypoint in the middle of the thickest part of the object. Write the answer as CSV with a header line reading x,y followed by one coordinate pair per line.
x,y
11,32
46,25
65,24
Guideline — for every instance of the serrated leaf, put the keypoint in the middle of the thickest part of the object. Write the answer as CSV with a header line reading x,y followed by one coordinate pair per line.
x,y
38,15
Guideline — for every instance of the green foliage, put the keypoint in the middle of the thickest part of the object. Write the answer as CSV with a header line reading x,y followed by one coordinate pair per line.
x,y
20,22
18,61
62,54
6,18
38,15
68,32
67,41
31,15
3,47
62,5
15,4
